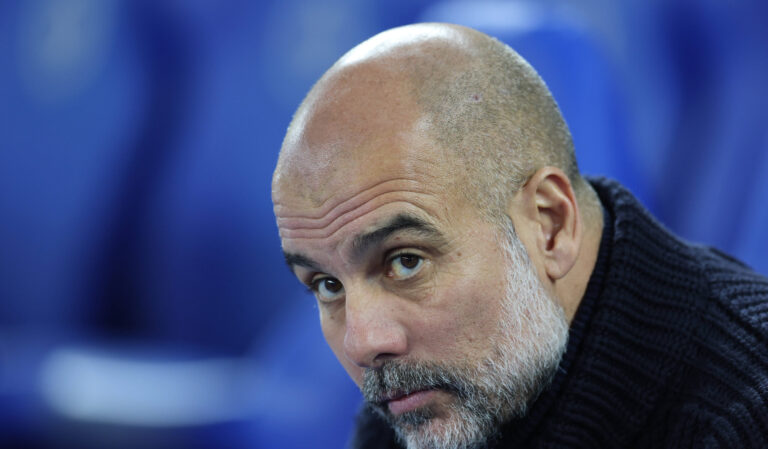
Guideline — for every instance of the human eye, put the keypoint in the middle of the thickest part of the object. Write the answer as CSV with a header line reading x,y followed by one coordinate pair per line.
x,y
326,288
404,266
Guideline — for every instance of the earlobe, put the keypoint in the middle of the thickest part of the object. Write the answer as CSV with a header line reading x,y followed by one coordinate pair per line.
x,y
549,213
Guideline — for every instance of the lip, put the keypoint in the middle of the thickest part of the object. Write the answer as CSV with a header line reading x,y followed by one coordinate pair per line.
x,y
402,403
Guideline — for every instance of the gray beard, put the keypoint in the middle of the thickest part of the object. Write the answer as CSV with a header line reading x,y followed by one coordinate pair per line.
x,y
523,359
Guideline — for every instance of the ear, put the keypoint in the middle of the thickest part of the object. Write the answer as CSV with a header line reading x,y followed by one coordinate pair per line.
x,y
547,219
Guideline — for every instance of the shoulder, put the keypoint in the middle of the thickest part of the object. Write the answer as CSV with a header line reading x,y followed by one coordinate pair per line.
x,y
718,397
725,388
736,419
733,327
706,316
738,293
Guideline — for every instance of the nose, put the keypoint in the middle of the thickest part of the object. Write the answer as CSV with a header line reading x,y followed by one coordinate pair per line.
x,y
374,330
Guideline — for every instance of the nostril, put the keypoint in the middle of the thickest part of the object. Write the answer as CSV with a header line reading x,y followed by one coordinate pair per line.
x,y
381,358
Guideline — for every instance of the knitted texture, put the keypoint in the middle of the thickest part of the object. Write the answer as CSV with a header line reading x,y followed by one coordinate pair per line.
x,y
668,349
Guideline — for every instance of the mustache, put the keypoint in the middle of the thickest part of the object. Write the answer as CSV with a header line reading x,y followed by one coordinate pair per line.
x,y
396,378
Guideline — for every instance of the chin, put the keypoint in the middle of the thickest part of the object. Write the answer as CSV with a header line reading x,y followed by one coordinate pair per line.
x,y
444,432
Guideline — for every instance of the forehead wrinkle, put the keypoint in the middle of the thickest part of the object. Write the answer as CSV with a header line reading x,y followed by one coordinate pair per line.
x,y
324,208
344,208
322,211
339,222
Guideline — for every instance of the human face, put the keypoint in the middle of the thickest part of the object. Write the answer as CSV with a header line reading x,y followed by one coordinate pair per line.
x,y
406,272
402,272
429,310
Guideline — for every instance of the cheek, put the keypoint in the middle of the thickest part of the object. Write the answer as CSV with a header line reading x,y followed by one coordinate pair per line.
x,y
466,311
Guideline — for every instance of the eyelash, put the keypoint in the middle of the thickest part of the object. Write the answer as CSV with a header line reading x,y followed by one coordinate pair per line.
x,y
313,285
399,253
388,262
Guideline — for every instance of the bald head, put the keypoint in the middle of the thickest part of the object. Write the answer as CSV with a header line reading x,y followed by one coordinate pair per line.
x,y
466,105
408,167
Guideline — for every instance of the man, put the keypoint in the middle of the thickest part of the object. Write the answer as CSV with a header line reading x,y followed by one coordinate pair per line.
x,y
479,291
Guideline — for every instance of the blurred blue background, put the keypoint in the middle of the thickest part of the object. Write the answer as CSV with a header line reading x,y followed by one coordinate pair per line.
x,y
143,297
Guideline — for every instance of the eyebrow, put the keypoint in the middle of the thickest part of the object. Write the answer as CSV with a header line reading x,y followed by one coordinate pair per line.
x,y
400,222
362,243
294,260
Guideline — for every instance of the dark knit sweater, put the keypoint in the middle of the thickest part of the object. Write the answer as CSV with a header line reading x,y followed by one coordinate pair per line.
x,y
668,349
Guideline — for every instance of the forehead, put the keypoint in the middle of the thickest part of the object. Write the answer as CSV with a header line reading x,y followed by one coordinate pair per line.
x,y
392,174
353,126
363,198
358,129
401,162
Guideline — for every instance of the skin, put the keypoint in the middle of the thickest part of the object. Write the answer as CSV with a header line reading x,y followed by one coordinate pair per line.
x,y
356,158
